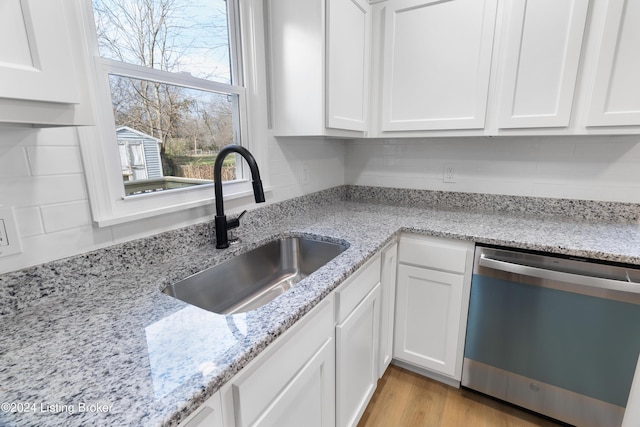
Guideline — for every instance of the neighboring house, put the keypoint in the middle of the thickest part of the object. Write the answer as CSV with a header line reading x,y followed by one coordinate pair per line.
x,y
139,155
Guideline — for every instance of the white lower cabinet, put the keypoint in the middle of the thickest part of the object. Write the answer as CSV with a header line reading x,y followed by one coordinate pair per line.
x,y
322,371
433,285
357,343
292,382
389,266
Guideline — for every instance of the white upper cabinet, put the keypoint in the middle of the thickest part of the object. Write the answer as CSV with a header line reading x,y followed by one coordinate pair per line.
x,y
319,67
436,64
39,79
348,64
541,47
615,98
32,61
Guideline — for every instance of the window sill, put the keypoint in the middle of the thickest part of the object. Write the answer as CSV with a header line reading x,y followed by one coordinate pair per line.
x,y
241,193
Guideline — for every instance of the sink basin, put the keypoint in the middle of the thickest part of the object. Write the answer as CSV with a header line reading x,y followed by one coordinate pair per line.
x,y
254,278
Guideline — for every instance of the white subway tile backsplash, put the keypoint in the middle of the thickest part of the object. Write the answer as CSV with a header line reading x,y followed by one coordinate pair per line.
x,y
399,181
586,167
609,149
57,136
11,137
371,180
141,228
29,221
54,160
51,246
66,216
42,176
279,180
42,190
13,162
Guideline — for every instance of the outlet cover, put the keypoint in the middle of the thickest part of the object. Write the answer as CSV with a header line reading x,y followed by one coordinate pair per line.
x,y
9,239
449,174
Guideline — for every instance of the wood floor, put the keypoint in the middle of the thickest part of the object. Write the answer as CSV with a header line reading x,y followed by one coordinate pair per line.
x,y
405,399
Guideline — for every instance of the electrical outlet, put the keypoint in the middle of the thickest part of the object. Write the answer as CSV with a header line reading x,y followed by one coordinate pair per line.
x,y
449,174
9,240
305,173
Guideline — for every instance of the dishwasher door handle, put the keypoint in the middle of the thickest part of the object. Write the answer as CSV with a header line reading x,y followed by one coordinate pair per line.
x,y
559,276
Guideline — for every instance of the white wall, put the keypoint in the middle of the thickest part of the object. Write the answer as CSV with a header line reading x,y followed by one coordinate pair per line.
x,y
600,168
42,177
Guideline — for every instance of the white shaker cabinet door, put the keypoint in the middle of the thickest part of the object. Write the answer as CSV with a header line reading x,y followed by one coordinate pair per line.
x,y
319,66
615,97
348,52
356,359
36,61
387,305
437,60
304,402
428,307
539,62
292,382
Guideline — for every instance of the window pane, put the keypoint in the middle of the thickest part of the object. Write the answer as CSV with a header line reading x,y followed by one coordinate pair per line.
x,y
171,35
172,134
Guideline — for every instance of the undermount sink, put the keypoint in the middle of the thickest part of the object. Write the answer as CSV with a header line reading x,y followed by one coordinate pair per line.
x,y
254,278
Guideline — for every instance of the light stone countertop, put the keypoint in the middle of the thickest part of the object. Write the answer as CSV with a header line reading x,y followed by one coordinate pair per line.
x,y
105,337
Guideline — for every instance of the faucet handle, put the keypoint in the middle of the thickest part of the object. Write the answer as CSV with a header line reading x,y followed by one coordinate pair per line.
x,y
235,222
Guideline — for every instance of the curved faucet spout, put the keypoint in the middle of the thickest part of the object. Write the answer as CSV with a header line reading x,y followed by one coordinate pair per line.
x,y
221,223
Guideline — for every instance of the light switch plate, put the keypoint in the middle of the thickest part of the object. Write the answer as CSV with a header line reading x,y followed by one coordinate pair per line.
x,y
9,239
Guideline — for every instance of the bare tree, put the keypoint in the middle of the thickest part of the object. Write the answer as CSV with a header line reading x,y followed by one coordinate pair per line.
x,y
159,34
167,35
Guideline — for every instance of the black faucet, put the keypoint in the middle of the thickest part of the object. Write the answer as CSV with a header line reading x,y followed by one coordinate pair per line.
x,y
222,225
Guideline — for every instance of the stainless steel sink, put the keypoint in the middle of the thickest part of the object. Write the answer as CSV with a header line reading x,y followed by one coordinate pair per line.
x,y
252,279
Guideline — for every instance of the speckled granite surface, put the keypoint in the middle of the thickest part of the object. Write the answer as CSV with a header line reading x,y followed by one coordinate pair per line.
x,y
96,330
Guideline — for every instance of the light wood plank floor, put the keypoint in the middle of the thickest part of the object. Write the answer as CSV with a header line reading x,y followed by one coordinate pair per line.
x,y
405,399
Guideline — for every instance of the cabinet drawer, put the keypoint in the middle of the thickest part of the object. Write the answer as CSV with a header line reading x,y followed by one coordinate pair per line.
x,y
261,384
434,252
350,293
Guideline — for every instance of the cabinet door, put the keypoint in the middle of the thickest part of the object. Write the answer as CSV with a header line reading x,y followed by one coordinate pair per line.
x,y
387,306
306,399
437,58
615,97
428,307
356,359
296,60
348,51
539,62
292,382
36,62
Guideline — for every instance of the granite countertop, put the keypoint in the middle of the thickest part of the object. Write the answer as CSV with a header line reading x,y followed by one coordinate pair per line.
x,y
105,347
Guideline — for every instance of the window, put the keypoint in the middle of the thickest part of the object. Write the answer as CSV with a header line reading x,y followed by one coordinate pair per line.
x,y
169,95
187,44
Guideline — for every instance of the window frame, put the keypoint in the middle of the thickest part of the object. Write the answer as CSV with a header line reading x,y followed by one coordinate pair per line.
x,y
109,205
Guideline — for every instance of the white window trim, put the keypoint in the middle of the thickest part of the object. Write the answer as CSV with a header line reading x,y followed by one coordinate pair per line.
x,y
109,206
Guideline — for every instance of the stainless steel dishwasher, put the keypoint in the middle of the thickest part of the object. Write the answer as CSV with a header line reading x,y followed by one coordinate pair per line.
x,y
556,335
